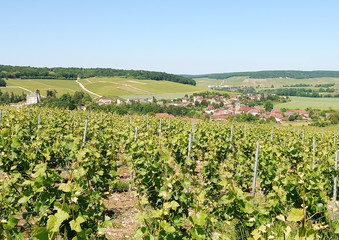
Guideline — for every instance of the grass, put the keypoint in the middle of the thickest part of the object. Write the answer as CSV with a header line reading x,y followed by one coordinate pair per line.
x,y
267,82
61,86
108,87
234,81
17,91
305,102
126,88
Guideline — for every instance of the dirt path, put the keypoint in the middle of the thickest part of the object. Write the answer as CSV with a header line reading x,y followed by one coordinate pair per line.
x,y
23,89
85,89
20,88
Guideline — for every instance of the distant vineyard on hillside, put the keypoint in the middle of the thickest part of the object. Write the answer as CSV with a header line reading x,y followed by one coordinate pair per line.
x,y
271,74
9,72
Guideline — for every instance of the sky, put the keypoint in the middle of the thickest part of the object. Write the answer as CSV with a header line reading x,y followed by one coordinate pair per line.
x,y
174,36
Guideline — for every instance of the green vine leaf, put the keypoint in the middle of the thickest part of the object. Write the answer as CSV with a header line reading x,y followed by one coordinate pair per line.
x,y
296,215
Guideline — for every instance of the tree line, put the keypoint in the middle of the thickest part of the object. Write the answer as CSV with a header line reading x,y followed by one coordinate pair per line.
x,y
302,92
270,74
10,72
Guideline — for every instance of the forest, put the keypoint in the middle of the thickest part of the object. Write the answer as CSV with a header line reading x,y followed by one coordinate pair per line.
x,y
8,72
271,74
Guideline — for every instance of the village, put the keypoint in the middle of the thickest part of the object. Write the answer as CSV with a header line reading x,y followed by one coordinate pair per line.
x,y
220,107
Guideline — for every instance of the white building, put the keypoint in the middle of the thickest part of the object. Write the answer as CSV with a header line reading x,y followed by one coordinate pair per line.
x,y
32,98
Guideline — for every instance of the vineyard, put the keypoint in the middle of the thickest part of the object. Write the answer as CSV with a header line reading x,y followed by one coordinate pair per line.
x,y
193,180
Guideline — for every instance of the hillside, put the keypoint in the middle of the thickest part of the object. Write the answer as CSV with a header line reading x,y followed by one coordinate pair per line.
x,y
14,72
105,86
264,82
271,74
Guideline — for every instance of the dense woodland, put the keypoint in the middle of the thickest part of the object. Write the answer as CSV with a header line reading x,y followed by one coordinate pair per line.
x,y
271,74
9,72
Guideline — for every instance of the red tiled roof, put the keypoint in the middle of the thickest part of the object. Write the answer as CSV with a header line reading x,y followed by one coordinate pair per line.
x,y
164,115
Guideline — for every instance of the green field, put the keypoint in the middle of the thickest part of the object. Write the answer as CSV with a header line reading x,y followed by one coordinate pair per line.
x,y
17,91
117,86
305,102
268,82
108,87
233,81
61,86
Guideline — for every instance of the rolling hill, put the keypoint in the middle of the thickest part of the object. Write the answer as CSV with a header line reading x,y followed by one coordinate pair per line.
x,y
105,86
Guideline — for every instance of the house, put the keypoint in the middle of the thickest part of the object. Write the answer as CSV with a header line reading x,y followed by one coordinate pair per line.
x,y
32,98
119,102
209,109
276,111
130,100
104,101
220,115
278,117
198,99
164,115
289,113
254,112
185,99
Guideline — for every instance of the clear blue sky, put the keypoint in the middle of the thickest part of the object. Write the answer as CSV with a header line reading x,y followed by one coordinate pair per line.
x,y
186,36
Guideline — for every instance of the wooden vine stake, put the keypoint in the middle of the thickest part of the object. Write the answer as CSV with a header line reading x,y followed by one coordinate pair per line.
x,y
231,138
272,134
189,156
255,172
245,130
0,116
193,130
313,149
39,119
335,185
303,136
85,133
131,174
335,140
